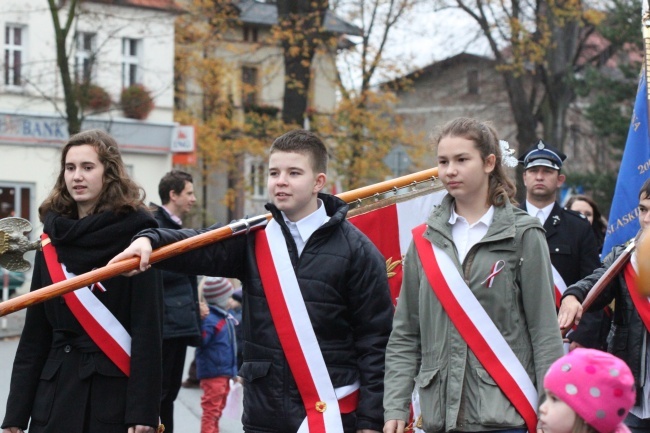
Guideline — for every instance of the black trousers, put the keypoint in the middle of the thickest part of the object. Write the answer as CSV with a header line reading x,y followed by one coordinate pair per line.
x,y
173,362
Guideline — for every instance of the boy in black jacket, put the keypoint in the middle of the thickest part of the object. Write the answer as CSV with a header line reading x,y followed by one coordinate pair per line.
x,y
316,310
631,323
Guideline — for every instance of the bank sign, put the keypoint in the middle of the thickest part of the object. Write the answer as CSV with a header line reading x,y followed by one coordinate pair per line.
x,y
33,127
132,136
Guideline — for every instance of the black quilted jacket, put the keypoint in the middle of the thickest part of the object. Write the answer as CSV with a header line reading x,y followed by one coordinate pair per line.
x,y
344,283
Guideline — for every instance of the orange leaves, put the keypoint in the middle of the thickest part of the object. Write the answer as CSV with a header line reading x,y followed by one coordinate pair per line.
x,y
361,133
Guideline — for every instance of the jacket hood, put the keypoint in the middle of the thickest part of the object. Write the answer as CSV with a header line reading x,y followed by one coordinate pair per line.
x,y
505,223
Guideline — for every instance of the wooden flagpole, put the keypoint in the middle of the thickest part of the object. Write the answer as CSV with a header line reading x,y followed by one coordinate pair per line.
x,y
189,244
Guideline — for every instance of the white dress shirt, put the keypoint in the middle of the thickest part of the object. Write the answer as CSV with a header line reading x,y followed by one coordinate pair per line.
x,y
302,230
542,214
465,236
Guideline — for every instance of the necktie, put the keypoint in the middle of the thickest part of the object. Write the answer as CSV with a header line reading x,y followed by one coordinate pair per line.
x,y
540,216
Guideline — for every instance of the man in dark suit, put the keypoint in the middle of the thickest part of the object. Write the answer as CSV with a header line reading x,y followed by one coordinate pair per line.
x,y
182,324
571,241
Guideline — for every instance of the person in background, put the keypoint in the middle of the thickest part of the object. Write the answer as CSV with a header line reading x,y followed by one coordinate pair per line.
x,y
589,209
235,308
192,381
216,357
72,374
181,326
594,326
630,328
479,261
571,241
587,391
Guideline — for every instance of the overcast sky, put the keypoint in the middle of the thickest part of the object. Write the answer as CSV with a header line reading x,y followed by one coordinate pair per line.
x,y
429,36
423,37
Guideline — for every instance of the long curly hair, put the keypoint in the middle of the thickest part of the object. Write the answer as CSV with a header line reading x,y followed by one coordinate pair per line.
x,y
120,194
486,141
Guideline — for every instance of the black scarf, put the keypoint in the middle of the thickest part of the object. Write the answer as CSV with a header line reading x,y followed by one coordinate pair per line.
x,y
90,242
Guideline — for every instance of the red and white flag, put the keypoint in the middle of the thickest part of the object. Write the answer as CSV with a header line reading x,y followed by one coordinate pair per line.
x,y
389,228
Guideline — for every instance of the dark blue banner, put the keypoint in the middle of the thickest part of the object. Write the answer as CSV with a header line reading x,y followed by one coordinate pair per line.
x,y
635,169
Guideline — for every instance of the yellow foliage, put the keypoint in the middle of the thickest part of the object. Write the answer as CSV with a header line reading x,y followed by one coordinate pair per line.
x,y
594,17
361,133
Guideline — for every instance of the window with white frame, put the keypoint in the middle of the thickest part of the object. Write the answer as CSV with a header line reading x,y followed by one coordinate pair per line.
x,y
14,54
84,59
258,179
131,52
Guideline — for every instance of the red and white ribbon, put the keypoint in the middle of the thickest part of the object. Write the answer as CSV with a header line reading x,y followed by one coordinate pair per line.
x,y
560,286
496,268
296,333
97,320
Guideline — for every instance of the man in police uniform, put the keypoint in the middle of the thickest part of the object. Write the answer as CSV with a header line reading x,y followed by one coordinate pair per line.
x,y
571,241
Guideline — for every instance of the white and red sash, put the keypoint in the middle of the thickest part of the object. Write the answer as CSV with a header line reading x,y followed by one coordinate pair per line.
x,y
97,320
560,286
641,303
477,328
323,403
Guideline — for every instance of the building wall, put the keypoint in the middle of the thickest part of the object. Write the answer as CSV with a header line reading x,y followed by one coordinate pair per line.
x,y
32,127
441,93
110,24
267,57
436,98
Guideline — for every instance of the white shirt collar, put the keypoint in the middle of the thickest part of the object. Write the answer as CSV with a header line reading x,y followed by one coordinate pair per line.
x,y
465,236
309,224
486,219
546,210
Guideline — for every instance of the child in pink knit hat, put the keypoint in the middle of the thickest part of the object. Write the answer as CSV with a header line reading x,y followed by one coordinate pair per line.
x,y
587,391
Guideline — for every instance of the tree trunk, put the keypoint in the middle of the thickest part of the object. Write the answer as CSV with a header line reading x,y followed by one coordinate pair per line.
x,y
69,92
560,58
301,28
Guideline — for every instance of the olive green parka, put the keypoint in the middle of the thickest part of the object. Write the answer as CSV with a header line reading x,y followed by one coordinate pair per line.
x,y
426,351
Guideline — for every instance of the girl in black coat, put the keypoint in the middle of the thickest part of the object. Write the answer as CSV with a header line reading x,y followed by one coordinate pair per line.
x,y
61,379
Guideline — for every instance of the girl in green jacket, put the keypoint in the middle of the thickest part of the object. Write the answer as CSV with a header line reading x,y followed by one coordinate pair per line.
x,y
476,250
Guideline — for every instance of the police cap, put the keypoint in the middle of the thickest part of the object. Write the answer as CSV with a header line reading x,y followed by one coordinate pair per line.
x,y
542,154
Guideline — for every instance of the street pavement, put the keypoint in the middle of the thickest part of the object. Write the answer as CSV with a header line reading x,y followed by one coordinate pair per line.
x,y
187,408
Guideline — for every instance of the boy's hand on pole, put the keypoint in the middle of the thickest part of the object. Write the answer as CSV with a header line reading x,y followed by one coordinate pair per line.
x,y
140,247
570,312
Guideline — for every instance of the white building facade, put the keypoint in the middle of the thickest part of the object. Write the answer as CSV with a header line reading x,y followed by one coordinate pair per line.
x,y
113,47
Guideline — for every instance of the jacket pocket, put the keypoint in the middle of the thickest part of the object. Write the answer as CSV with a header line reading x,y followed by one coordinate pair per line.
x,y
180,318
494,407
262,394
46,391
109,393
254,370
431,405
